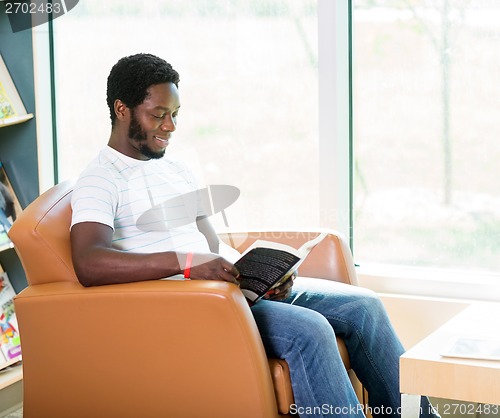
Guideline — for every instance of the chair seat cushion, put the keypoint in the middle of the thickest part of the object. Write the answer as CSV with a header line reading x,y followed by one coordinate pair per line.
x,y
280,374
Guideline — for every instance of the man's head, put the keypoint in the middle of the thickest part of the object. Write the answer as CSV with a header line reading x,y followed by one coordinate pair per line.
x,y
132,76
144,102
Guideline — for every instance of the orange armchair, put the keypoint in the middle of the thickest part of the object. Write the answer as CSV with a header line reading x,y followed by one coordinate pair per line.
x,y
158,348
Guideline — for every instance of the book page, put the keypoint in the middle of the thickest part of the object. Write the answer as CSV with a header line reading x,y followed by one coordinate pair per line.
x,y
273,245
262,268
309,245
300,252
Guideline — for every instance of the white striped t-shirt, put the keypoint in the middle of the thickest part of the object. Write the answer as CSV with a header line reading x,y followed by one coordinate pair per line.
x,y
151,205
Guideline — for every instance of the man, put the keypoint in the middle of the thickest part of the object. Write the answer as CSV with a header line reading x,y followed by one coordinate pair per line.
x,y
124,229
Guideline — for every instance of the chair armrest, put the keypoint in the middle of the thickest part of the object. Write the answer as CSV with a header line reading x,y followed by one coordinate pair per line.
x,y
150,334
331,259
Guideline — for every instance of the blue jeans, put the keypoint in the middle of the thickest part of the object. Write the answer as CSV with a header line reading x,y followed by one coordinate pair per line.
x,y
302,330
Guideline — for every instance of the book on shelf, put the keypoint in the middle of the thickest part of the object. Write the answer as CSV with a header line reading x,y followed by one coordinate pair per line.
x,y
266,265
10,343
9,208
7,109
5,242
12,109
9,205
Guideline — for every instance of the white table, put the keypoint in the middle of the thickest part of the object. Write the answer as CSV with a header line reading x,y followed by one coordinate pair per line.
x,y
424,371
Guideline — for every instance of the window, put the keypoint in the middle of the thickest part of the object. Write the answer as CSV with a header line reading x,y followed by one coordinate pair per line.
x,y
249,93
266,90
426,129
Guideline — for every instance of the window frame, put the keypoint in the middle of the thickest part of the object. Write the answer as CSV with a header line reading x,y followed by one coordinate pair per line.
x,y
44,98
335,116
335,159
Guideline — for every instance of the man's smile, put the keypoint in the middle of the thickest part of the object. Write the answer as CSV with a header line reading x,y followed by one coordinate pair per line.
x,y
163,140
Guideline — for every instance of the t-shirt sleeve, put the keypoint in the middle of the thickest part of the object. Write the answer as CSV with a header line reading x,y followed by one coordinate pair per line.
x,y
94,197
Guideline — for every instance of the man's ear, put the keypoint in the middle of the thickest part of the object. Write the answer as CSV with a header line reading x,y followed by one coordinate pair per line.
x,y
122,112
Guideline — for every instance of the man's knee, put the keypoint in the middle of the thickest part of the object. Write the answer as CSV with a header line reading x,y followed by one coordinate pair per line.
x,y
313,328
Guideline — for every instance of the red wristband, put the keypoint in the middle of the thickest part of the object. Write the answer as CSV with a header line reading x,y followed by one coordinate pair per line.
x,y
187,268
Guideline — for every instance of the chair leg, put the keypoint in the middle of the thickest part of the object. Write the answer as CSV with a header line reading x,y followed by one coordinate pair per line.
x,y
361,392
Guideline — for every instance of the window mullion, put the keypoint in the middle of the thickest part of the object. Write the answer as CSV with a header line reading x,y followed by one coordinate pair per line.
x,y
335,145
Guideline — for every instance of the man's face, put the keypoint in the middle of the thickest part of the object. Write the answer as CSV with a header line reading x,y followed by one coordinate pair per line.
x,y
153,122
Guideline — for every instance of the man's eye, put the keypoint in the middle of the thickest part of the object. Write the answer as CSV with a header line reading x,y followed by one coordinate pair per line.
x,y
159,116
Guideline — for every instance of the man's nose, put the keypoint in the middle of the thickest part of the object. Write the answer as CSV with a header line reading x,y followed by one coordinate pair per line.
x,y
168,124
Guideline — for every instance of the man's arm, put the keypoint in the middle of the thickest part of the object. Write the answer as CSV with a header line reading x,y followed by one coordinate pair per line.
x,y
97,263
206,228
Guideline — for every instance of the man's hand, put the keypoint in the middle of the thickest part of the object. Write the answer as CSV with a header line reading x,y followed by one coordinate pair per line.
x,y
283,291
213,267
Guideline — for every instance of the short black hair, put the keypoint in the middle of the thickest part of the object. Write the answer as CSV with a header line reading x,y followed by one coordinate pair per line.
x,y
132,76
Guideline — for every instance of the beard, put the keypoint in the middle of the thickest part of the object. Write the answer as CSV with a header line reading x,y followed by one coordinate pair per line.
x,y
136,133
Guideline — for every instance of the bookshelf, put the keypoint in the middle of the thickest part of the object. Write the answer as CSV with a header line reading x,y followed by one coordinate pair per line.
x,y
11,374
19,151
12,112
11,392
14,120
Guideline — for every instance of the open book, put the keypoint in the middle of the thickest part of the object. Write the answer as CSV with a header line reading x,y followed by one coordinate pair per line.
x,y
266,264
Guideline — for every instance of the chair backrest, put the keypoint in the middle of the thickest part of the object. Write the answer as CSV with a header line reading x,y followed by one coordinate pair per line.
x,y
41,236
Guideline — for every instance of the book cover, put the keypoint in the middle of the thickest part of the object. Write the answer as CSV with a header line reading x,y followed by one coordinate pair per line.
x,y
11,105
10,343
10,207
6,108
